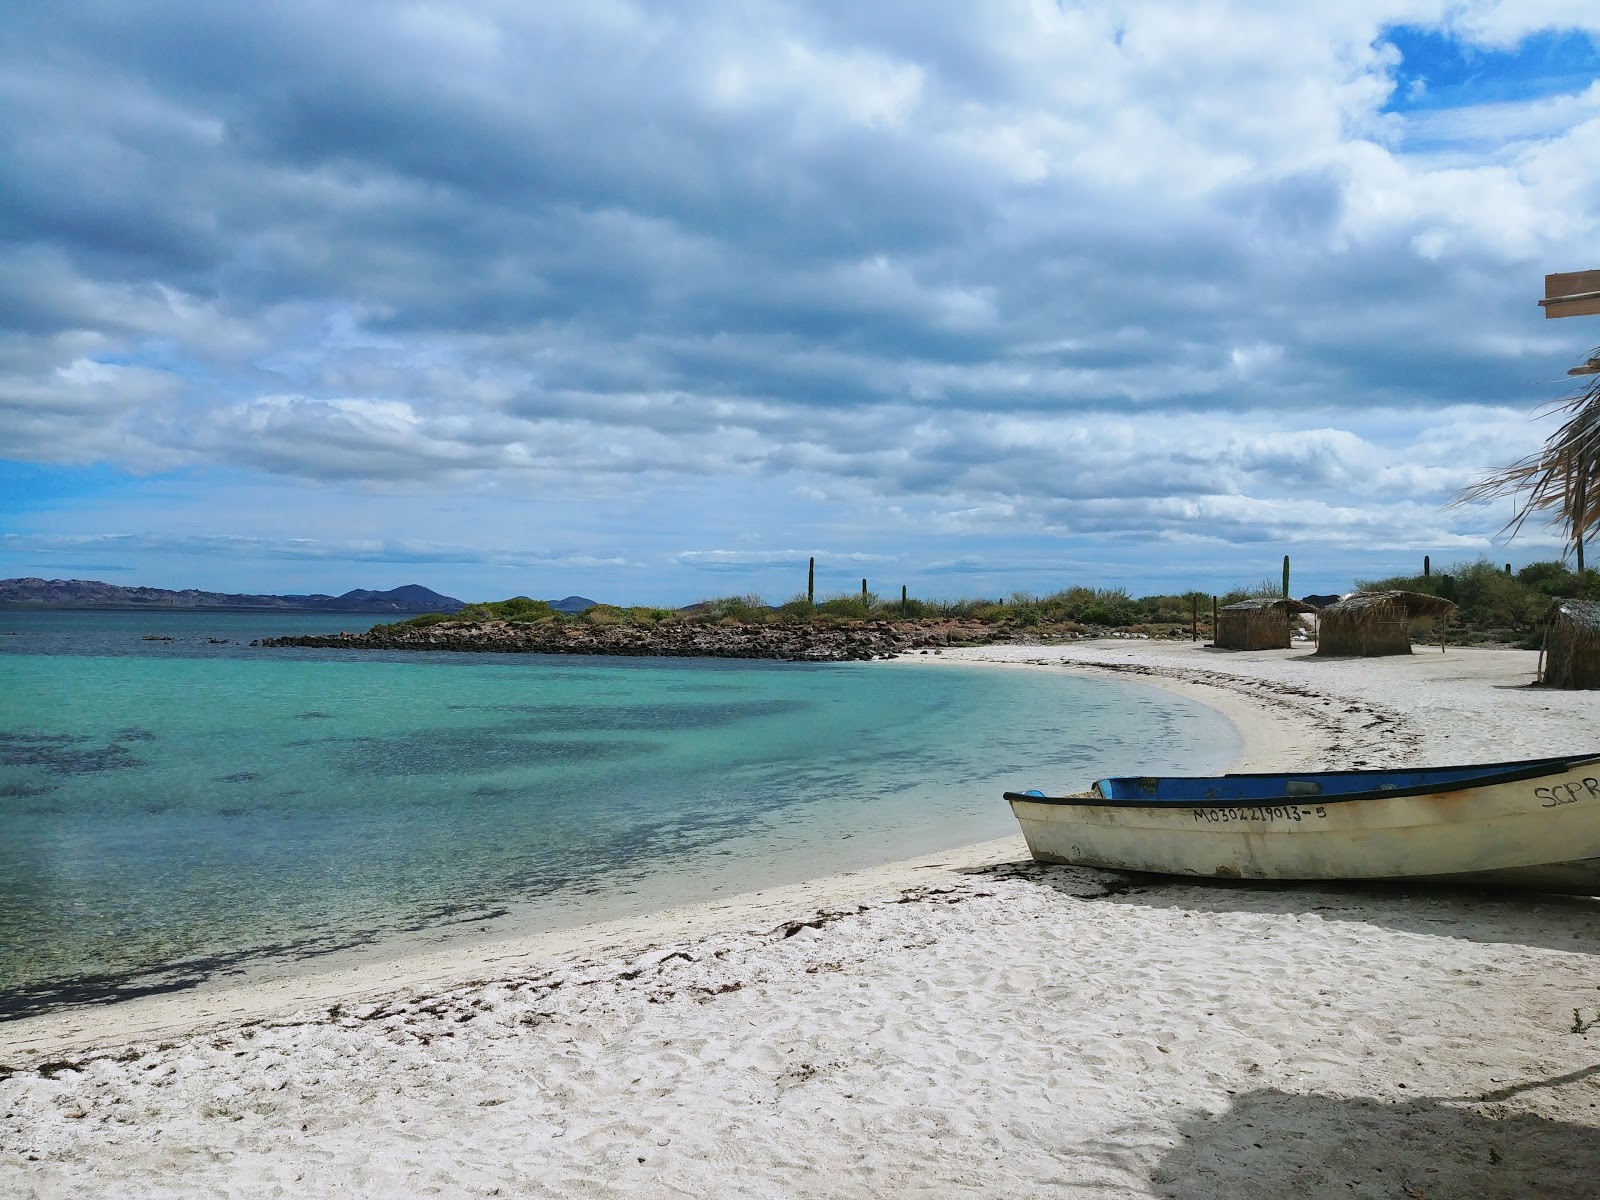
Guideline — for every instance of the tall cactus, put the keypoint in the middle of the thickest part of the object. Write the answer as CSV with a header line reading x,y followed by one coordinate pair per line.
x,y
1285,576
811,582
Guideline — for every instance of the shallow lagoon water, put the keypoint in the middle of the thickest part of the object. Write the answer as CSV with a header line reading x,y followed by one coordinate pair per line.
x,y
170,810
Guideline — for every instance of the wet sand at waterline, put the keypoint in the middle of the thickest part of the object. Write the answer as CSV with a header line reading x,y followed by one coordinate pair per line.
x,y
967,1024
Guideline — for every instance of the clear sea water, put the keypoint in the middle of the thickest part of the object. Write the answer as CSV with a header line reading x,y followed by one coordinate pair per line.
x,y
174,810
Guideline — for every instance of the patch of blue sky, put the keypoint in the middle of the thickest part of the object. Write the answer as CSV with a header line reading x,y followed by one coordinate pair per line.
x,y
160,354
26,486
1439,70
170,358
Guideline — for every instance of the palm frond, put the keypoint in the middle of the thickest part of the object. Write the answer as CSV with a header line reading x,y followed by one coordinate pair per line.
x,y
1560,481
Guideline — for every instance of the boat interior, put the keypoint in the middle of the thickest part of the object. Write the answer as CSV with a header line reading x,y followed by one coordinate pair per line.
x,y
1310,785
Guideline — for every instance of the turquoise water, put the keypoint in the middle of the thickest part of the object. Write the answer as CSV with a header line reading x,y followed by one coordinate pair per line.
x,y
172,810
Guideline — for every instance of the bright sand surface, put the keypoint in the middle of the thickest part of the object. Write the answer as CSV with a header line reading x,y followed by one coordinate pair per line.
x,y
963,1025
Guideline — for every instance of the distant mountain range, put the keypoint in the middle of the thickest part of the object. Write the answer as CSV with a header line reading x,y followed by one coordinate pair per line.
x,y
91,593
573,604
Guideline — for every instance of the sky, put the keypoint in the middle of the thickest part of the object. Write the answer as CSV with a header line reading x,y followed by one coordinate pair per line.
x,y
652,303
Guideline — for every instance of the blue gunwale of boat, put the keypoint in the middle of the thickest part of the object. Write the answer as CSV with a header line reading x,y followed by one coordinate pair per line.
x,y
1334,787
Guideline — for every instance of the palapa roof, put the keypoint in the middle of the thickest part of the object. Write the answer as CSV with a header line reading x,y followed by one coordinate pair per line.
x,y
1265,602
1571,657
1416,604
1583,613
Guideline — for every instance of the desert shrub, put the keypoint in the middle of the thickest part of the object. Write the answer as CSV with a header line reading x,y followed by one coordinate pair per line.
x,y
520,610
1072,602
1433,585
1026,613
1167,610
516,608
1093,606
424,620
796,608
1265,590
1067,604
747,609
1552,578
603,614
520,606
1484,595
645,617
1556,581
960,610
1113,612
845,605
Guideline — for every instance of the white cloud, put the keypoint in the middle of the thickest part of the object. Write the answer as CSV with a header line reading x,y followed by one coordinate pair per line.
x,y
741,558
1111,271
406,551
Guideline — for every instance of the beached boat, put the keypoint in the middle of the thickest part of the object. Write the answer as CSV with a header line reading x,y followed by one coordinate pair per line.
x,y
1533,824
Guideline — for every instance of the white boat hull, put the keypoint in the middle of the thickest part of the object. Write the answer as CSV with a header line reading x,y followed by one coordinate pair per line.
x,y
1541,832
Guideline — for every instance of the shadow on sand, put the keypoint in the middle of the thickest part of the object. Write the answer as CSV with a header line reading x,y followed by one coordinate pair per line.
x,y
1504,916
1276,1144
1271,1143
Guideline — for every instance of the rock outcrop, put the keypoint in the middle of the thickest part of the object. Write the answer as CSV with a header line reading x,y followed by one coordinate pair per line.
x,y
799,642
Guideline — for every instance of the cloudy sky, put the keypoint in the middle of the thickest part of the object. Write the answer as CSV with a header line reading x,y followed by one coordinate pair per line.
x,y
651,303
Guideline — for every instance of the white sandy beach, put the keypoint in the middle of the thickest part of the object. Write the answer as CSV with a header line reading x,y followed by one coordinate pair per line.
x,y
964,1025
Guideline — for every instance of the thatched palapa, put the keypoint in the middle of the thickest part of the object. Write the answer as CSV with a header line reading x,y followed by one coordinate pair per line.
x,y
1572,645
1263,624
1369,624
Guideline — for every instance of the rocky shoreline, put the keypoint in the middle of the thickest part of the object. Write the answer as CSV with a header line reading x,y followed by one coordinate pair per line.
x,y
799,642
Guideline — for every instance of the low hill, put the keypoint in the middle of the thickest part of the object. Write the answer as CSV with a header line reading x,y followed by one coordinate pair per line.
x,y
91,593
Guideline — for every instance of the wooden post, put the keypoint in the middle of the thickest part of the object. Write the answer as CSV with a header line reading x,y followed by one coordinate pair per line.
x,y
811,582
1581,502
1194,618
1213,620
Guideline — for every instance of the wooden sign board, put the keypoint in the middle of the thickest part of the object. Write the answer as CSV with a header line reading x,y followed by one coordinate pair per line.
x,y
1572,294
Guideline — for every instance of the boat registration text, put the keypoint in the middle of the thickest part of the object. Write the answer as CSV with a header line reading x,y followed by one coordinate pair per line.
x,y
1276,812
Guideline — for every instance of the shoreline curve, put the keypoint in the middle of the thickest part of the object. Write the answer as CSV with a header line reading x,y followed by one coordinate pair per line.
x,y
1275,731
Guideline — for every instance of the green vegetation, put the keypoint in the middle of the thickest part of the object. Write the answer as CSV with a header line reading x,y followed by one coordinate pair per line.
x,y
1491,605
1060,613
518,608
746,610
423,621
